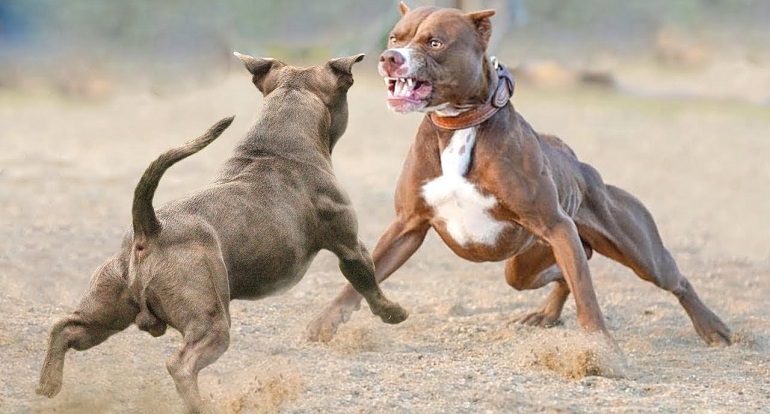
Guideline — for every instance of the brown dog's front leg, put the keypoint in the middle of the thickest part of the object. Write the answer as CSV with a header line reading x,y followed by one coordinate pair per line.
x,y
571,259
534,197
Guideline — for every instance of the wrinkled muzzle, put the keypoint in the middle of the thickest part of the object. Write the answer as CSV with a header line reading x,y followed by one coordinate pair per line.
x,y
407,92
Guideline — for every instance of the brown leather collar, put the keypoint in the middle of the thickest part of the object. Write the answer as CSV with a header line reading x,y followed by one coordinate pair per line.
x,y
479,114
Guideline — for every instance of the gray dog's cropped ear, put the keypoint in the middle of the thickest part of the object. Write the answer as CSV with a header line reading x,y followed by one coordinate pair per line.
x,y
259,67
345,64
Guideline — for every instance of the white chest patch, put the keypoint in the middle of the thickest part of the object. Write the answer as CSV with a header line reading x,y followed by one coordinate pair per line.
x,y
457,201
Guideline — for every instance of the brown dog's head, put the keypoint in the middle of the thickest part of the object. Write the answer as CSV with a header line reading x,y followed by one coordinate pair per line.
x,y
329,83
436,60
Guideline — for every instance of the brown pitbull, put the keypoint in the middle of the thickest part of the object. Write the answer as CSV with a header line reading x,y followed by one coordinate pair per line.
x,y
494,189
251,233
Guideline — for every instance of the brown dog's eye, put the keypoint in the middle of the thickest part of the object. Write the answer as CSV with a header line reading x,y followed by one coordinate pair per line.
x,y
392,39
435,43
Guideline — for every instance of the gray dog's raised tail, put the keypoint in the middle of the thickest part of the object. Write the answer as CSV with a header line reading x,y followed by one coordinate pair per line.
x,y
146,224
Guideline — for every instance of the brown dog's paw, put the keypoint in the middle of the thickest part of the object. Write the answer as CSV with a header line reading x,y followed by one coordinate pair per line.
x,y
710,327
539,318
718,335
320,331
323,327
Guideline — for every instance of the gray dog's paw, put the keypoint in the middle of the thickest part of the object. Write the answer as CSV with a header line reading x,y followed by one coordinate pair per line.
x,y
48,388
393,313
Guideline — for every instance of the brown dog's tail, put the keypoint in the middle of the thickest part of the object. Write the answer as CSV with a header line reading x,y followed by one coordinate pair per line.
x,y
146,224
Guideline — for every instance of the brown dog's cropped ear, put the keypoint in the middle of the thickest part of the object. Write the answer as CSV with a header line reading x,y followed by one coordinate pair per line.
x,y
259,68
345,64
403,8
483,25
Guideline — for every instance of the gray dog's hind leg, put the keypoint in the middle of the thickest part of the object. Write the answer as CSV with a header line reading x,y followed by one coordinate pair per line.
x,y
103,311
194,298
204,342
618,226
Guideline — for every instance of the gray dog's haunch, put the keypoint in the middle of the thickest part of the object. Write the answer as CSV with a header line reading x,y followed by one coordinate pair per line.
x,y
252,232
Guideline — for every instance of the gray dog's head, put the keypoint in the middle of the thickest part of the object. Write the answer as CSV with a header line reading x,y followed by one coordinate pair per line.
x,y
329,82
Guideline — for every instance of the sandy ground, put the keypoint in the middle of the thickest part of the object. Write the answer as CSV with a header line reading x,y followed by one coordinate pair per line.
x,y
67,174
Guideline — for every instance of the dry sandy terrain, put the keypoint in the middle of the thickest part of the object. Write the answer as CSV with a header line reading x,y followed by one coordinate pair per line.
x,y
67,174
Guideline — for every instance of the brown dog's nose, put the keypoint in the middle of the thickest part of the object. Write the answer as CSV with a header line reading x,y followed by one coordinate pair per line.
x,y
390,61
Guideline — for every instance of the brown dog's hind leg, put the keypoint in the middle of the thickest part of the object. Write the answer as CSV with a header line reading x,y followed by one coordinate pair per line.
x,y
533,269
549,312
103,311
618,226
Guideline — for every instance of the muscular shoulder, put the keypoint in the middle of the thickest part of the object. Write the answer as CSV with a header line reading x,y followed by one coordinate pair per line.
x,y
556,143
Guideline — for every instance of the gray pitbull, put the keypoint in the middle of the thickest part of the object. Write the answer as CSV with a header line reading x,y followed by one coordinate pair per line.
x,y
253,232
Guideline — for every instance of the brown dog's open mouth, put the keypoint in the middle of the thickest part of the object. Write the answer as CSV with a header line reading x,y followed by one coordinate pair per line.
x,y
407,94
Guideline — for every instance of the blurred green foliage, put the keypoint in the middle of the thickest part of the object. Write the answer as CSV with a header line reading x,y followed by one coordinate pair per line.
x,y
136,24
193,37
675,12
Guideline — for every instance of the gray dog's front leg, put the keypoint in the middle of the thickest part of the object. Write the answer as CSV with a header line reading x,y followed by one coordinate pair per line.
x,y
360,273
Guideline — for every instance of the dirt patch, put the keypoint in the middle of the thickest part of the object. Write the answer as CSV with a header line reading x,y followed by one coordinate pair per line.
x,y
276,385
576,355
67,175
